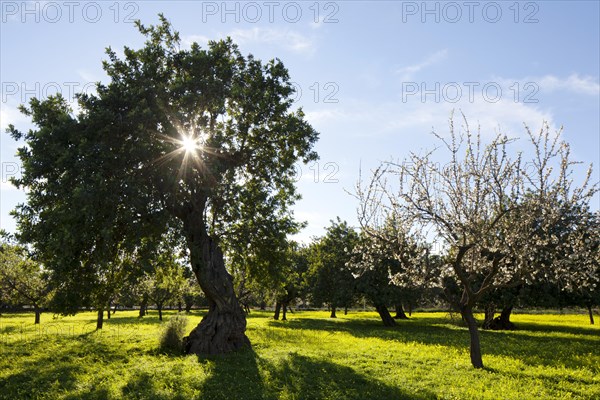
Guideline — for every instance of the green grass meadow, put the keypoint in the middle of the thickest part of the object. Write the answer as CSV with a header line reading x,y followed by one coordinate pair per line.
x,y
307,357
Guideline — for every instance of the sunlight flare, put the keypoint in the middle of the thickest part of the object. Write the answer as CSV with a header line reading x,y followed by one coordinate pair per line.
x,y
189,144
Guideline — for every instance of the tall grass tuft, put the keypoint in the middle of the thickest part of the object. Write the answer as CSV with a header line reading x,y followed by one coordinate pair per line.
x,y
171,339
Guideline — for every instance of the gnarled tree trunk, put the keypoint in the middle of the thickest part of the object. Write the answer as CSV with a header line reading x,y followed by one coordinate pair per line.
x,y
475,347
385,315
490,311
502,322
332,312
223,329
400,312
505,318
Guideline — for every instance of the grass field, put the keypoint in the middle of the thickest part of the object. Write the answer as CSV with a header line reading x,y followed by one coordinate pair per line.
x,y
308,357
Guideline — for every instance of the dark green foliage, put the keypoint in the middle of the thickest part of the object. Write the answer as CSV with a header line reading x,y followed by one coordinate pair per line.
x,y
197,144
332,281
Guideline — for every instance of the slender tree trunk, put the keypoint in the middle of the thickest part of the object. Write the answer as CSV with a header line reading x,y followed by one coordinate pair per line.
x,y
100,319
410,308
386,318
490,311
475,348
223,328
284,318
332,312
263,306
277,311
38,313
114,310
591,314
143,306
108,311
400,312
346,310
179,306
159,307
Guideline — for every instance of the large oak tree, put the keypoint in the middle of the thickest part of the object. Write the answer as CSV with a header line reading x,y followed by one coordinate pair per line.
x,y
201,142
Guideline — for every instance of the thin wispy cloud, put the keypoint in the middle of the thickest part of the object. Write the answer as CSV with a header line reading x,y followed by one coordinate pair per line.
x,y
406,73
282,38
360,119
573,83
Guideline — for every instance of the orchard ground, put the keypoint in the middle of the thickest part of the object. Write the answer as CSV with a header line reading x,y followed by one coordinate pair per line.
x,y
310,356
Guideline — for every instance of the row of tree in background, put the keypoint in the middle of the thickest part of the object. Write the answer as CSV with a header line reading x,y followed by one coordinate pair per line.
x,y
329,272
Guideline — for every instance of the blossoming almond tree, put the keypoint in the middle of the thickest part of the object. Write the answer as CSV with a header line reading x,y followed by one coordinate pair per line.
x,y
490,210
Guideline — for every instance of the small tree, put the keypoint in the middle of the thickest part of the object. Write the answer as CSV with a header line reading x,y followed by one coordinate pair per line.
x,y
22,280
165,283
292,282
331,279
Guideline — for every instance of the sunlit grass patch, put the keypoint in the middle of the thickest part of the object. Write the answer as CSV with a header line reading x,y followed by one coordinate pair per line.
x,y
310,356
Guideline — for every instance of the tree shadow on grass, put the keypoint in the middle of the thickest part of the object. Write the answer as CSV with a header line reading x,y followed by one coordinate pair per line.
x,y
530,349
302,377
35,380
234,376
50,366
36,376
145,386
244,375
590,330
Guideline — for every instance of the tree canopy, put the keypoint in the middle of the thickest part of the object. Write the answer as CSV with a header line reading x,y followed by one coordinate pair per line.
x,y
196,142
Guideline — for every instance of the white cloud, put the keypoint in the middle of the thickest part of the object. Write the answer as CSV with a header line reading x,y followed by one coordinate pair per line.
x,y
88,77
6,186
573,83
200,39
9,114
283,38
363,119
287,39
407,72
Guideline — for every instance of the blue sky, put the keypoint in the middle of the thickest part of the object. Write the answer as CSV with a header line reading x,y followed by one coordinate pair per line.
x,y
375,78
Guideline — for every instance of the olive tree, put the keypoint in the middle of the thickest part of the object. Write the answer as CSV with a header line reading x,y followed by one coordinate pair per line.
x,y
202,142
